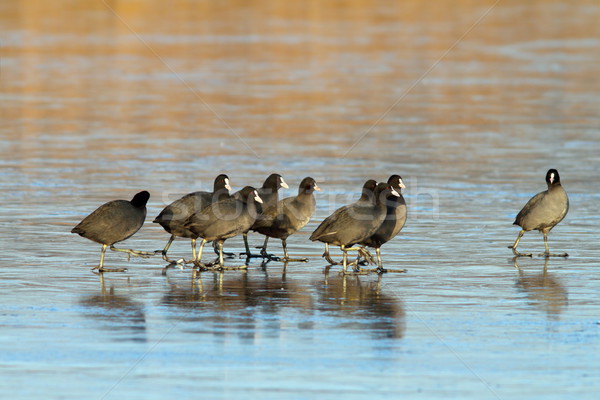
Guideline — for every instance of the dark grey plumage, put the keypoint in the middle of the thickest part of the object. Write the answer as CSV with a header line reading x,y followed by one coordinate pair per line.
x,y
366,198
393,222
114,222
543,212
269,193
223,220
288,215
354,223
174,216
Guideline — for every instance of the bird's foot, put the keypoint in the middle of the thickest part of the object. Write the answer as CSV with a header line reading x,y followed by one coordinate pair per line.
x,y
288,259
102,269
553,255
221,267
135,253
518,254
162,253
167,259
181,263
381,270
200,266
328,258
355,271
248,255
366,255
270,257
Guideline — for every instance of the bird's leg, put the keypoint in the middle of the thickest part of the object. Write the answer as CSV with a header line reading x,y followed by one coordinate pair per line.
x,y
193,249
263,251
131,252
248,253
220,266
345,264
379,263
216,250
327,256
547,252
344,260
380,269
366,255
220,263
286,258
101,268
163,252
198,259
358,270
514,246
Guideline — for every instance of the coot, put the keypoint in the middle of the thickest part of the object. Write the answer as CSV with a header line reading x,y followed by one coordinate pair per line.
x,y
354,223
542,212
394,221
366,198
173,217
288,216
269,193
223,220
114,222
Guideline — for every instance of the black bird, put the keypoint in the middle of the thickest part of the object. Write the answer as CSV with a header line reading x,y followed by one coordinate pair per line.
x,y
394,221
269,193
366,198
288,216
354,223
173,217
543,212
223,220
114,222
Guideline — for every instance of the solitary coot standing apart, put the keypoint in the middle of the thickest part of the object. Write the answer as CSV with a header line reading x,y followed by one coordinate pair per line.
x,y
173,217
542,212
269,193
394,221
354,223
113,222
366,198
288,216
223,220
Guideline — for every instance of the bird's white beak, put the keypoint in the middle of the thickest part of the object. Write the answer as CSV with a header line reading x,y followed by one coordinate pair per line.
x,y
257,197
283,184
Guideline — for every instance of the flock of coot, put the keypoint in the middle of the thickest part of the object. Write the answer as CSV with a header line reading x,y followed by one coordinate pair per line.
x,y
373,220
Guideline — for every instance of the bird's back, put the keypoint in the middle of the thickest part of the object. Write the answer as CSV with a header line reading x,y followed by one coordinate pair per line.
x,y
350,224
286,217
112,222
174,216
221,220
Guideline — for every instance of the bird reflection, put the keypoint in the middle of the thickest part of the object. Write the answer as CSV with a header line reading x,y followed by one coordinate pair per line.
x,y
118,314
363,300
544,290
241,301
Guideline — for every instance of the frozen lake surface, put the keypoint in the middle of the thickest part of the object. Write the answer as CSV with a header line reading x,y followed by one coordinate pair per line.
x,y
471,103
